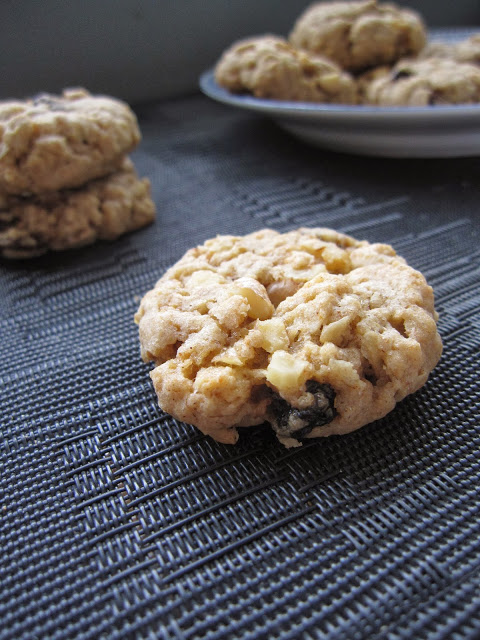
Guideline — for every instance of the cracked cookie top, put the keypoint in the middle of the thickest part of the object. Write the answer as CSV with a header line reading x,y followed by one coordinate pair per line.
x,y
359,34
268,67
57,142
310,330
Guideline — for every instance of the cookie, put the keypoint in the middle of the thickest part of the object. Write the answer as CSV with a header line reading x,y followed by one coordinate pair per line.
x,y
357,35
432,81
268,67
311,330
58,142
101,210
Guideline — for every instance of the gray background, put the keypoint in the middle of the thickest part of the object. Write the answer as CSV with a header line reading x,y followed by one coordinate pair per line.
x,y
146,50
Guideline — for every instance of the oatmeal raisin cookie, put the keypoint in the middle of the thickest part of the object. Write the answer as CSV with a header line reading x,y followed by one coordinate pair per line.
x,y
268,67
432,81
310,330
359,34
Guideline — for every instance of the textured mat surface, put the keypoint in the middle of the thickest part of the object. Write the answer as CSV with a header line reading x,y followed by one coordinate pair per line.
x,y
116,521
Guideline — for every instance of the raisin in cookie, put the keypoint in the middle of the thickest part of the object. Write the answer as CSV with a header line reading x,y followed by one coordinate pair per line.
x,y
426,82
268,67
58,142
357,35
311,330
101,210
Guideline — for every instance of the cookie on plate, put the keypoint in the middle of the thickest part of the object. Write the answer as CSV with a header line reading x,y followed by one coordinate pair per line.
x,y
310,330
103,209
268,67
359,34
431,81
59,142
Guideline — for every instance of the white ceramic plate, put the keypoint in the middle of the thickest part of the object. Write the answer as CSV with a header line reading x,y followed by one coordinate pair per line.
x,y
401,132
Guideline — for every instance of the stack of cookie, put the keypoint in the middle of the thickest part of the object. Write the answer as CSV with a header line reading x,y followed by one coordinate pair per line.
x,y
65,176
358,52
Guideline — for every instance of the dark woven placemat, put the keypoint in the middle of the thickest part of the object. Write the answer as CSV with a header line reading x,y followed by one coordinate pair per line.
x,y
116,521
